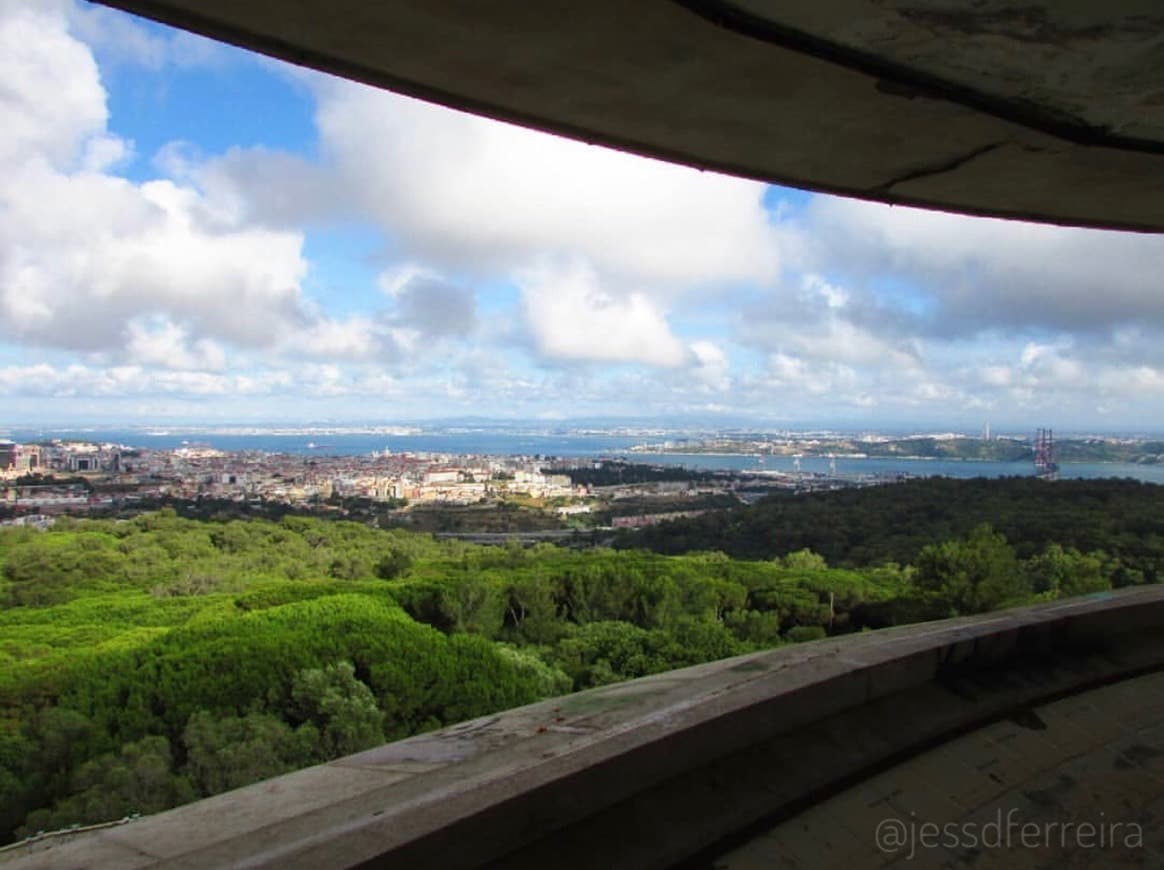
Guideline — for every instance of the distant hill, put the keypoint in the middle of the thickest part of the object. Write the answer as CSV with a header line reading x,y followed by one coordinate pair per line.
x,y
936,447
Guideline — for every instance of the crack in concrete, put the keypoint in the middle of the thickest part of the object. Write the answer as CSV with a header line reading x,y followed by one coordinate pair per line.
x,y
905,79
937,169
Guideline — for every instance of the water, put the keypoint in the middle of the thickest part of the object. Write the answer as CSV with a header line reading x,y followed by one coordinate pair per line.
x,y
325,443
566,444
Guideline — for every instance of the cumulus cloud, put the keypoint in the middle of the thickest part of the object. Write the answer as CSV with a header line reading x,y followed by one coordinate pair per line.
x,y
308,380
459,188
711,369
77,380
953,315
791,374
1065,379
149,272
121,39
628,284
260,185
161,342
81,254
52,99
460,194
819,320
573,317
353,338
434,307
627,239
968,275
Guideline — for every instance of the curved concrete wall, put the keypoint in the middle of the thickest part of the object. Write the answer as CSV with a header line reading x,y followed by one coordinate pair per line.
x,y
650,772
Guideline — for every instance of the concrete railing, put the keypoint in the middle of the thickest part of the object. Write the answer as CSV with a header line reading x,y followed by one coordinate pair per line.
x,y
651,772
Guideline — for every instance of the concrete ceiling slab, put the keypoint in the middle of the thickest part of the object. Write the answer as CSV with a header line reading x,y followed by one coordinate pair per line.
x,y
1048,110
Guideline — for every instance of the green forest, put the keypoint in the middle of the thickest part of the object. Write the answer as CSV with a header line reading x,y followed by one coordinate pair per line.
x,y
149,661
857,527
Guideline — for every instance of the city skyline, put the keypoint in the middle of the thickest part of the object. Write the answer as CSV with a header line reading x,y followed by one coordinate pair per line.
x,y
190,232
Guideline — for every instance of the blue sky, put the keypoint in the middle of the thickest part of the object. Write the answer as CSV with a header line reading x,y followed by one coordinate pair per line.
x,y
189,232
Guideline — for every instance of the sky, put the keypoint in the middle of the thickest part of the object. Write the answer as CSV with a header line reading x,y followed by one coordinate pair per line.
x,y
189,232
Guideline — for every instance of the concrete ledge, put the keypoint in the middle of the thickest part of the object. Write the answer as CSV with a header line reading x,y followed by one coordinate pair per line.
x,y
650,772
862,98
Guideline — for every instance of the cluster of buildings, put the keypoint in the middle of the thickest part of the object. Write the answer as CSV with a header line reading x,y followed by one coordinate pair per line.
x,y
57,457
96,473
416,478
17,459
42,480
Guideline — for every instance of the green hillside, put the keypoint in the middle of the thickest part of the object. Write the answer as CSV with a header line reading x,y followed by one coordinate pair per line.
x,y
152,661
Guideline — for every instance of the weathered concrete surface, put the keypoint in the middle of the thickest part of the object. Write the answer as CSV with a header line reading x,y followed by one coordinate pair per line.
x,y
650,772
1078,782
1042,109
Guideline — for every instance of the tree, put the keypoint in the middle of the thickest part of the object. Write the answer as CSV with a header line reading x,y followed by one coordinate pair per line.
x,y
974,575
351,566
393,564
16,790
531,611
138,778
59,740
804,560
341,707
232,751
802,633
49,571
755,628
702,640
473,605
1063,572
606,652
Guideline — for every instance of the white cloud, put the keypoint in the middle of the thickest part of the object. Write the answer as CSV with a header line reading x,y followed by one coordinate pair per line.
x,y
119,38
105,152
82,254
52,97
354,338
259,185
976,274
621,279
392,281
816,320
308,381
77,380
995,375
793,374
456,186
573,317
119,35
160,342
1051,367
92,262
842,341
435,308
711,369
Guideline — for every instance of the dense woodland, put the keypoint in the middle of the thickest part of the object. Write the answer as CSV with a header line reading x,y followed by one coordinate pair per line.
x,y
149,661
870,526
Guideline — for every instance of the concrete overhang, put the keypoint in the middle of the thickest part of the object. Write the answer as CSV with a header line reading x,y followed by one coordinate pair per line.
x,y
1048,110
